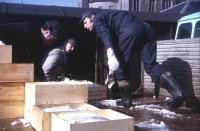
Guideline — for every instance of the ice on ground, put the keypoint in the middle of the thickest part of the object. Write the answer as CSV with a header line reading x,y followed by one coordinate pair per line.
x,y
108,103
22,121
153,125
158,110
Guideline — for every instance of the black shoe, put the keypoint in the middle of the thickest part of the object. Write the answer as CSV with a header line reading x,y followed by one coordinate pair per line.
x,y
125,102
174,103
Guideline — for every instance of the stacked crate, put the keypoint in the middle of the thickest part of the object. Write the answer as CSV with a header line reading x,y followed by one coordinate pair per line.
x,y
47,103
12,84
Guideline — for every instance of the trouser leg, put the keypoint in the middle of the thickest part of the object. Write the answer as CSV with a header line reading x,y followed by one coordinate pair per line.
x,y
124,93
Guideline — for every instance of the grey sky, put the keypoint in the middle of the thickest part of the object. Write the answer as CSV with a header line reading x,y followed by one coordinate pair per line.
x,y
69,3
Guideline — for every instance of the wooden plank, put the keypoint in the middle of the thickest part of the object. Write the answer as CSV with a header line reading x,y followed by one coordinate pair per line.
x,y
5,54
37,93
115,121
41,114
11,109
12,91
96,92
16,72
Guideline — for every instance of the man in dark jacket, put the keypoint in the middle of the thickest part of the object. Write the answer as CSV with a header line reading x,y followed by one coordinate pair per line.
x,y
131,34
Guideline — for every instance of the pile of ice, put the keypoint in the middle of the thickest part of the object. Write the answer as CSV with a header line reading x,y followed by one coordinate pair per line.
x,y
20,121
108,103
67,108
153,125
82,118
158,110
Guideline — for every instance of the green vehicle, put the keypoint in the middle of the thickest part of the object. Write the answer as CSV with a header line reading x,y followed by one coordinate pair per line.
x,y
188,26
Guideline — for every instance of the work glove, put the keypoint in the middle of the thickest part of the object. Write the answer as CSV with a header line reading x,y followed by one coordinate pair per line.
x,y
113,63
1,43
110,81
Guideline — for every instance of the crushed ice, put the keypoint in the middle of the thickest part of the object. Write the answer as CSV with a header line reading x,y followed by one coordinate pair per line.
x,y
84,117
22,121
158,110
153,124
64,108
108,103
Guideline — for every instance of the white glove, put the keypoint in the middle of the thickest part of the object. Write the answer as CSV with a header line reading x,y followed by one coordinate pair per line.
x,y
113,63
1,43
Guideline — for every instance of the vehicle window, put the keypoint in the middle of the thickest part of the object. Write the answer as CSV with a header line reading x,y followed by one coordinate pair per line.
x,y
184,31
197,30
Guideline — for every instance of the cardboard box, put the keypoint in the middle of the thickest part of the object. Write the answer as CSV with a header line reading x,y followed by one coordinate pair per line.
x,y
105,120
16,72
5,54
41,114
38,93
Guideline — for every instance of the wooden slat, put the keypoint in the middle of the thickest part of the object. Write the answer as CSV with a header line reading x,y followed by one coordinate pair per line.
x,y
5,54
11,109
16,72
12,91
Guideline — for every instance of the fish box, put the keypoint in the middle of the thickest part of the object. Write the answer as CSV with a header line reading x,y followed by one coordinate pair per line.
x,y
39,93
41,114
98,120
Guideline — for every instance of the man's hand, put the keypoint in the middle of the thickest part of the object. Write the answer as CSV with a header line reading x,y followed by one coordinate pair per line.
x,y
113,63
110,81
1,43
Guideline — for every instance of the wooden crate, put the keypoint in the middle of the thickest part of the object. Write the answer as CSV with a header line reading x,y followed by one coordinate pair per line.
x,y
41,114
11,109
96,92
16,72
11,99
38,93
5,54
12,91
115,121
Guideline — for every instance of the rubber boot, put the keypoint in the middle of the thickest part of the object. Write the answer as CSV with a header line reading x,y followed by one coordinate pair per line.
x,y
169,83
125,94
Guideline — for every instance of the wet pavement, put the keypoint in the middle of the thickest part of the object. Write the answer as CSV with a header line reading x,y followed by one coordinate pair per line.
x,y
149,115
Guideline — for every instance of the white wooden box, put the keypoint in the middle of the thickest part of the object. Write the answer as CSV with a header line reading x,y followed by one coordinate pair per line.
x,y
41,114
38,93
105,120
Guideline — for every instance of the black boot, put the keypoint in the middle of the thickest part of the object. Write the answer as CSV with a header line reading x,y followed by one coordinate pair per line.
x,y
125,94
169,83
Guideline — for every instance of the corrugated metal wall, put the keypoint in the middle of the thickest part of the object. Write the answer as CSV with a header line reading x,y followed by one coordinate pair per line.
x,y
182,58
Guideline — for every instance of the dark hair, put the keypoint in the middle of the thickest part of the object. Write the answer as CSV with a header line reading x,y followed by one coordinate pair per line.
x,y
71,41
53,26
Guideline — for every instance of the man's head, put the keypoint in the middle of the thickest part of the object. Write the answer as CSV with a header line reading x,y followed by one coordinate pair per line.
x,y
87,20
51,30
69,45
